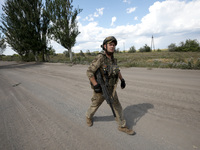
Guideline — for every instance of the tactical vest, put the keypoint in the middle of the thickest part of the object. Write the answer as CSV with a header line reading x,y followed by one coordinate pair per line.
x,y
110,71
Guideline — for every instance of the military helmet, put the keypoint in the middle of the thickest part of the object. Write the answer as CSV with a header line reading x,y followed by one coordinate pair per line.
x,y
109,39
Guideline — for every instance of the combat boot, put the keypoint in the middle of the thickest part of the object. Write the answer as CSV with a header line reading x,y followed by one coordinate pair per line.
x,y
89,122
126,130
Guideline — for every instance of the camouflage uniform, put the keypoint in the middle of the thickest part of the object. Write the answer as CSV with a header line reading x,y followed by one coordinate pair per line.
x,y
103,62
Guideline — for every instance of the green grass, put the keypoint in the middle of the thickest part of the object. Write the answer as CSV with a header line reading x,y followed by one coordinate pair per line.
x,y
163,59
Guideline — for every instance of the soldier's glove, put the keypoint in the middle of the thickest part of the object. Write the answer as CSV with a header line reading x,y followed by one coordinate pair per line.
x,y
97,88
123,84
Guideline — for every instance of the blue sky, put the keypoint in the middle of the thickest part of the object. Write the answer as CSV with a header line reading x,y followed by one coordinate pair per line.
x,y
133,22
124,10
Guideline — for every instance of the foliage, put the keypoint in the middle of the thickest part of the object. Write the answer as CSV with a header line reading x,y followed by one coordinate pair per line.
x,y
64,29
26,26
88,53
2,45
66,53
188,45
146,48
163,59
172,47
51,51
117,50
132,49
21,26
158,50
81,53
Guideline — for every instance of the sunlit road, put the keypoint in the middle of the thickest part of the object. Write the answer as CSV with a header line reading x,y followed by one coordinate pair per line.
x,y
42,106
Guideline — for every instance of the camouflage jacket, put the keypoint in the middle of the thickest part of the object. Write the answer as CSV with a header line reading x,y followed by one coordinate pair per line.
x,y
106,65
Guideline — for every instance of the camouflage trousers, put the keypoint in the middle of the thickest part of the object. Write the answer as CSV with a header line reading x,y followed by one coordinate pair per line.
x,y
98,99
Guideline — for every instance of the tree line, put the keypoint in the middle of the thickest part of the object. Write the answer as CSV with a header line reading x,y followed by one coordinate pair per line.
x,y
187,46
28,26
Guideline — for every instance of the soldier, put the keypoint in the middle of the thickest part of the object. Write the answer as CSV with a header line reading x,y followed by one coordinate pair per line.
x,y
106,62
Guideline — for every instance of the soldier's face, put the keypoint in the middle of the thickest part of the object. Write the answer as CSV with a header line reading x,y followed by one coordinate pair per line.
x,y
110,47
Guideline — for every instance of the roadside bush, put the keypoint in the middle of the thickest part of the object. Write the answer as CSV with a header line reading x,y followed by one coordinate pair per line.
x,y
190,63
146,48
117,50
158,50
132,49
197,65
81,53
189,45
172,47
88,53
66,53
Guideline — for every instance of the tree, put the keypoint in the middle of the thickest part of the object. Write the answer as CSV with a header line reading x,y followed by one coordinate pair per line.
x,y
66,53
191,45
64,28
11,25
81,53
188,45
132,49
146,48
117,50
88,53
2,45
45,21
172,47
25,26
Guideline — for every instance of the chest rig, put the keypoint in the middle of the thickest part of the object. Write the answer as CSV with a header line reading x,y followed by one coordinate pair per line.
x,y
110,71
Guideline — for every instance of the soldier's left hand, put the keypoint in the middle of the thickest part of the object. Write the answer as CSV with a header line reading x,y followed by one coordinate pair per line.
x,y
123,84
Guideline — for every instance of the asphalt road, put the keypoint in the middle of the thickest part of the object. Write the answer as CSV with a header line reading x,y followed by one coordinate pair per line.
x,y
43,106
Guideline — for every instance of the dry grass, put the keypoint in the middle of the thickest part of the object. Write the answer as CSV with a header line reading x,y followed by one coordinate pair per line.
x,y
163,59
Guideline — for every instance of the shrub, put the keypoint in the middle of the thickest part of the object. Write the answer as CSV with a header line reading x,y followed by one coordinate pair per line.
x,y
132,49
66,53
146,48
88,53
189,45
197,65
172,47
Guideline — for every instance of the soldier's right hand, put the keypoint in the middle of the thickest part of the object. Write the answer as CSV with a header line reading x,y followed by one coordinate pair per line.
x,y
97,88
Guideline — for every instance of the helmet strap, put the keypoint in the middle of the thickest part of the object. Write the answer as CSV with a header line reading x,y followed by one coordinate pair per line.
x,y
109,53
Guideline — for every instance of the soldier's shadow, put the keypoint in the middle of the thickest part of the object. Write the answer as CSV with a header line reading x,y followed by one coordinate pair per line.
x,y
134,113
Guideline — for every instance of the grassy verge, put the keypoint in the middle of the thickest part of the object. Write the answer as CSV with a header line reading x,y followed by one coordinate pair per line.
x,y
164,59
183,60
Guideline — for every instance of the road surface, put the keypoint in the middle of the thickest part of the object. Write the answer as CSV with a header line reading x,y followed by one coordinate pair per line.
x,y
43,106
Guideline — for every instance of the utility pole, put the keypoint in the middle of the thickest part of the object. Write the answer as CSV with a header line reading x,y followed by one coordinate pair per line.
x,y
152,44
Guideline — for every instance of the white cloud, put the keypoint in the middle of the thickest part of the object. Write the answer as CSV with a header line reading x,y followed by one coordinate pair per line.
x,y
127,1
99,12
113,20
171,17
130,10
170,21
136,18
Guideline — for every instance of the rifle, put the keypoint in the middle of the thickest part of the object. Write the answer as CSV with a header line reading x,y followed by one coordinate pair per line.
x,y
108,97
